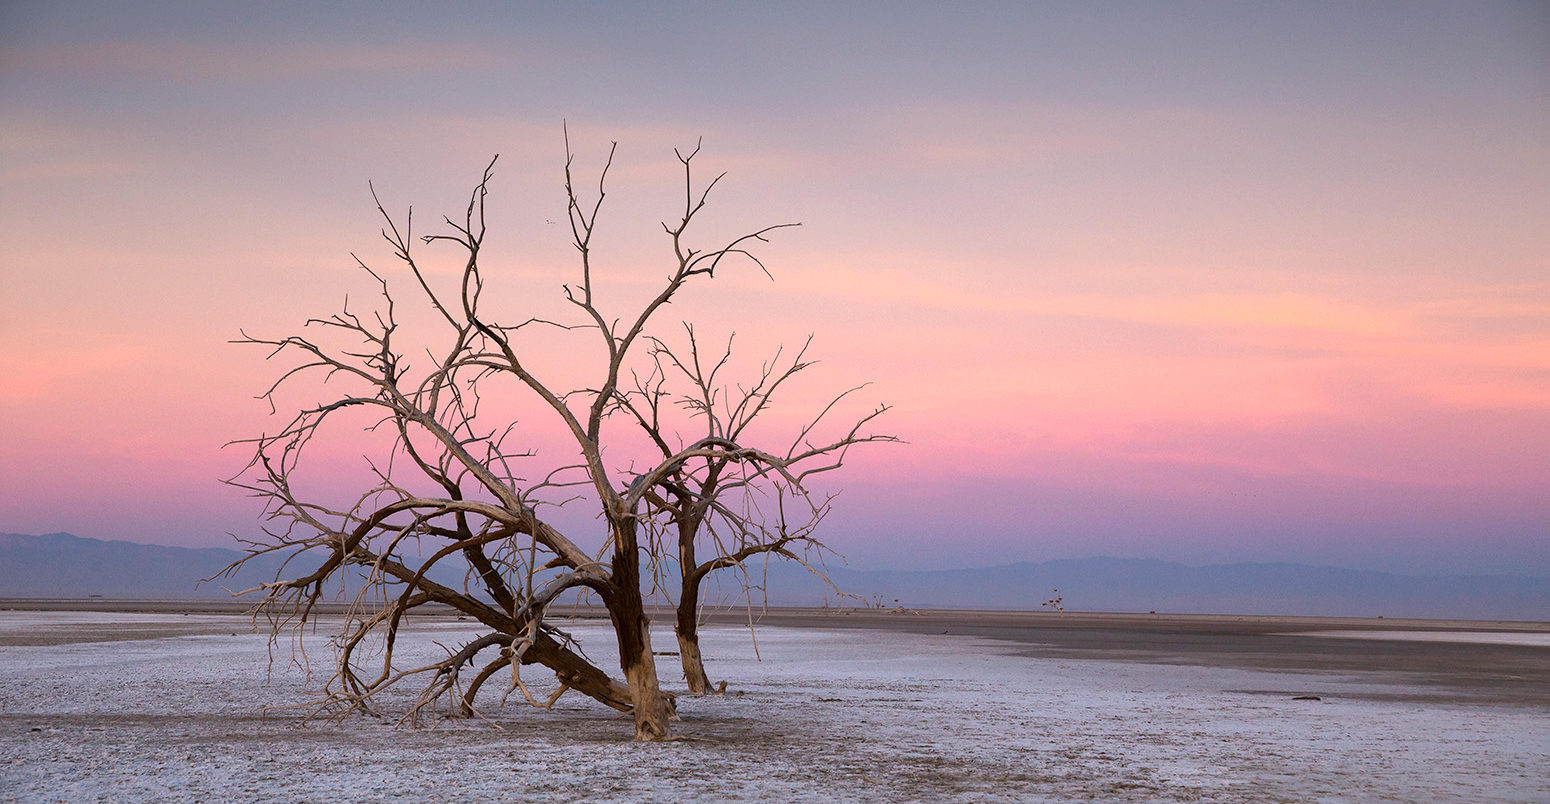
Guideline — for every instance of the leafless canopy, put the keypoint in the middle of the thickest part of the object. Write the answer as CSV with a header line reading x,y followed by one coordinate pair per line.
x,y
454,492
728,507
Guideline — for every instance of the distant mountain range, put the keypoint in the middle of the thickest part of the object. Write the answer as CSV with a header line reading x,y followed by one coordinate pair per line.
x,y
59,565
1142,585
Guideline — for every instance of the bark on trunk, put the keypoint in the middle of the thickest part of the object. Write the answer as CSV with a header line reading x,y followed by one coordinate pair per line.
x,y
687,625
580,674
570,668
628,612
688,629
694,665
651,710
572,671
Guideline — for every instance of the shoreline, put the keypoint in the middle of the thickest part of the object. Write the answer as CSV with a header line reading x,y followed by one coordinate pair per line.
x,y
866,617
1506,669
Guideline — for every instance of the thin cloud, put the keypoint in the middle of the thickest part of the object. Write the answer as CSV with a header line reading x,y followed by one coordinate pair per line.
x,y
249,62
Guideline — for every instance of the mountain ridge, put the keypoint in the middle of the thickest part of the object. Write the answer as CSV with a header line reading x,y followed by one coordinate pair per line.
x,y
60,565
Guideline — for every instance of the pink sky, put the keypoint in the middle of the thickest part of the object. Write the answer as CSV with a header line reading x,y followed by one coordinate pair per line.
x,y
1205,283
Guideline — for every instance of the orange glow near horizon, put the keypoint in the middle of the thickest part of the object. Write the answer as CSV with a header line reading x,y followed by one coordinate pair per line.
x,y
1200,309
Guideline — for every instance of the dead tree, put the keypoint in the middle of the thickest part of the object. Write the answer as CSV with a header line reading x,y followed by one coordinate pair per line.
x,y
447,489
733,505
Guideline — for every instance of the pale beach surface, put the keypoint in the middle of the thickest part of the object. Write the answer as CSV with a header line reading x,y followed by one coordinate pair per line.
x,y
123,706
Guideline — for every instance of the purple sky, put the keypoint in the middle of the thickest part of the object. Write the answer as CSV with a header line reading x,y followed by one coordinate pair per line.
x,y
1204,282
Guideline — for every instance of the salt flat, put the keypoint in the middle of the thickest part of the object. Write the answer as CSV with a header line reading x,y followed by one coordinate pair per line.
x,y
828,714
1457,637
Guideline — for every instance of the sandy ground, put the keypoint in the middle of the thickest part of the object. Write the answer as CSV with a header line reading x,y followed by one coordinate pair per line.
x,y
130,706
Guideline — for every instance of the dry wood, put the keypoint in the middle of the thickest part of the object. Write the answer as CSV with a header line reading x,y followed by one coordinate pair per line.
x,y
722,496
448,495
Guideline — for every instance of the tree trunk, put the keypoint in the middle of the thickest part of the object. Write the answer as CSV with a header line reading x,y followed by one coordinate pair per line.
x,y
570,668
687,625
572,671
688,630
651,707
633,629
580,674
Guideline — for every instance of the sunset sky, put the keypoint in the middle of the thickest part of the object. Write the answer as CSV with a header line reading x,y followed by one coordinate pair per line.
x,y
1202,282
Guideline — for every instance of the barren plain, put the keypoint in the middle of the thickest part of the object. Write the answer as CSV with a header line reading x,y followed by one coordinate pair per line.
x,y
868,705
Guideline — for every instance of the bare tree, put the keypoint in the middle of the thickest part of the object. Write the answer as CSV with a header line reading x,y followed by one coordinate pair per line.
x,y
727,508
447,490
